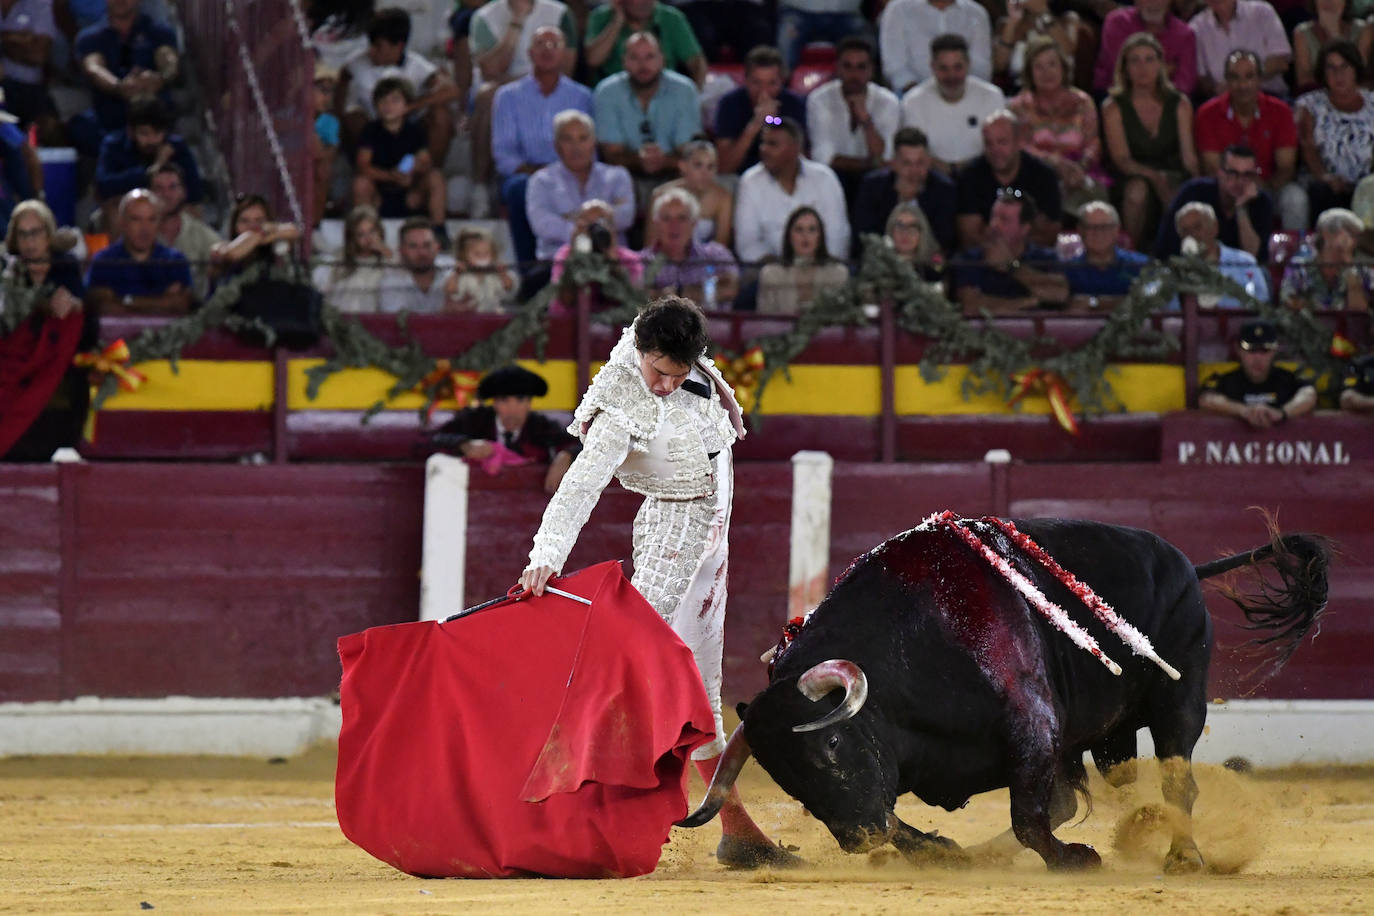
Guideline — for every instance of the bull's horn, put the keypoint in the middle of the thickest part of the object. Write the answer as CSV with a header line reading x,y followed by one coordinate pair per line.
x,y
732,760
825,677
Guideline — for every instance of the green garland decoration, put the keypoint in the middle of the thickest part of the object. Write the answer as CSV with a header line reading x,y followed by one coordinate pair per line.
x,y
18,302
992,356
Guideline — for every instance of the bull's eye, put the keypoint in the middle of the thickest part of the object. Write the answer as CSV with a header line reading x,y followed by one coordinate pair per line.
x,y
833,742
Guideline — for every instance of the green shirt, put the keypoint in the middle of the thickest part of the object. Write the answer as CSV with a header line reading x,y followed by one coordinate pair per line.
x,y
675,37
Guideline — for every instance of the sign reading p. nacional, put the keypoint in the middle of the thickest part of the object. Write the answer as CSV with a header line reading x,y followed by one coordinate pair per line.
x,y
1324,438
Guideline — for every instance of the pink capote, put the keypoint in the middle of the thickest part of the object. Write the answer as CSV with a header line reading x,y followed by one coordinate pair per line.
x,y
538,737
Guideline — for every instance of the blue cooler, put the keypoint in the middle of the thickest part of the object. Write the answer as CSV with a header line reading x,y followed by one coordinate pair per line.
x,y
59,182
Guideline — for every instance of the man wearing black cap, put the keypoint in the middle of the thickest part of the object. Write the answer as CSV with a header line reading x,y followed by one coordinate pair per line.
x,y
1357,389
1258,392
474,431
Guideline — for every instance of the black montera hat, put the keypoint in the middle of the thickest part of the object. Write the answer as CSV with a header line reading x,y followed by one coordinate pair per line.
x,y
1259,335
512,381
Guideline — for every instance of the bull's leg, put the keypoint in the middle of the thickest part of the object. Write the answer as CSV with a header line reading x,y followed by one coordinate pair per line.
x,y
925,848
1178,715
1114,756
1036,767
1003,847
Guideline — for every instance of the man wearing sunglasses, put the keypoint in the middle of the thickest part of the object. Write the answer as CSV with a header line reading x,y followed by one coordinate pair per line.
x,y
1245,211
644,113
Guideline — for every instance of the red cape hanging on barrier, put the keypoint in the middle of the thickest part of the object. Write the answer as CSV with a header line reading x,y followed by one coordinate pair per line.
x,y
538,737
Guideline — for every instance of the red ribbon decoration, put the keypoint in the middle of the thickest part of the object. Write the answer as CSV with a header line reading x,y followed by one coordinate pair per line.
x,y
113,360
445,383
1342,347
1053,387
742,373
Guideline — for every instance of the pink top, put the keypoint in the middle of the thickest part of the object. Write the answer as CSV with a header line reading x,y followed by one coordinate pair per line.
x,y
1178,41
629,261
1067,127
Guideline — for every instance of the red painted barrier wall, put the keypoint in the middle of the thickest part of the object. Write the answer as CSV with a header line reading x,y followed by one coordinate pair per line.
x,y
144,580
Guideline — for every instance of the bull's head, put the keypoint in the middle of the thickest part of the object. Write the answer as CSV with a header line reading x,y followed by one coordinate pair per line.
x,y
831,763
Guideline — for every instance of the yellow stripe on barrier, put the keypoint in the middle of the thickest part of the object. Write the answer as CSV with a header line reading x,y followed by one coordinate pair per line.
x,y
813,390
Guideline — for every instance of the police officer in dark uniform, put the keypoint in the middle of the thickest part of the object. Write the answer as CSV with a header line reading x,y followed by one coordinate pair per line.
x,y
1258,392
474,432
1357,388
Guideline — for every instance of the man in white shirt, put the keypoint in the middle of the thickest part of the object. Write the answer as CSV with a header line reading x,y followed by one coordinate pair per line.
x,y
386,55
782,181
907,27
950,106
851,119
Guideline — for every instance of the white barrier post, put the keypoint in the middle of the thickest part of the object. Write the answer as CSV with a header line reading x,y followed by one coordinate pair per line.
x,y
445,537
809,566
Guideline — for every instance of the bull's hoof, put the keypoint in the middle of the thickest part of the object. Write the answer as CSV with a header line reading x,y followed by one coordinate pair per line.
x,y
944,853
1077,856
734,852
1183,860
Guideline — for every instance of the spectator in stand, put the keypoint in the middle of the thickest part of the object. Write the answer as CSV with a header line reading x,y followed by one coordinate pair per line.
x,y
130,158
460,48
1357,388
504,47
1257,392
414,286
851,119
784,180
644,114
802,21
611,24
353,285
324,139
1176,42
1336,128
477,432
950,105
558,190
395,173
124,55
45,407
387,57
1148,126
805,269
908,177
28,31
254,237
1004,164
1244,209
522,127
594,233
1196,223
743,110
478,282
1334,20
1033,20
685,261
715,202
1362,201
741,24
21,174
908,235
1244,116
1059,125
908,29
1009,274
1234,25
1334,277
1104,272
182,230
137,274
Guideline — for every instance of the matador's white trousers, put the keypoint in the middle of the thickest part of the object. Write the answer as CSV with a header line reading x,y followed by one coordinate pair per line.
x,y
683,576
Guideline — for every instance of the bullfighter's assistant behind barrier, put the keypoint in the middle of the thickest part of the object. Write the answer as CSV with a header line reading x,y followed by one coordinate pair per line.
x,y
659,417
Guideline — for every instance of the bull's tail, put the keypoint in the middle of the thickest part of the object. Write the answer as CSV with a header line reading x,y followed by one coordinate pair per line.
x,y
1288,610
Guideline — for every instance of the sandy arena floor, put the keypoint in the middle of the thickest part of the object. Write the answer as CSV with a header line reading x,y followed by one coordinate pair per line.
x,y
208,835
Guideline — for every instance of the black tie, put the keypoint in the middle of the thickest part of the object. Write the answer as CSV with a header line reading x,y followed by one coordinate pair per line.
x,y
697,388
509,437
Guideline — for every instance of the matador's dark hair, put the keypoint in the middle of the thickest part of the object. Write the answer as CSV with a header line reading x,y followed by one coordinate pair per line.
x,y
673,326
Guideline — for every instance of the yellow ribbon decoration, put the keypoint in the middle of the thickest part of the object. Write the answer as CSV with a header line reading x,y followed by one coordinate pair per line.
x,y
1053,387
113,360
445,383
742,374
1342,347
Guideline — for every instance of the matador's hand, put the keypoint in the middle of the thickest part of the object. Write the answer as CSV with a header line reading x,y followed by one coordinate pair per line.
x,y
534,579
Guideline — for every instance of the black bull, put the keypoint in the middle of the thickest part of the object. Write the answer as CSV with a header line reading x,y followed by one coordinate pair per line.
x,y
954,685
